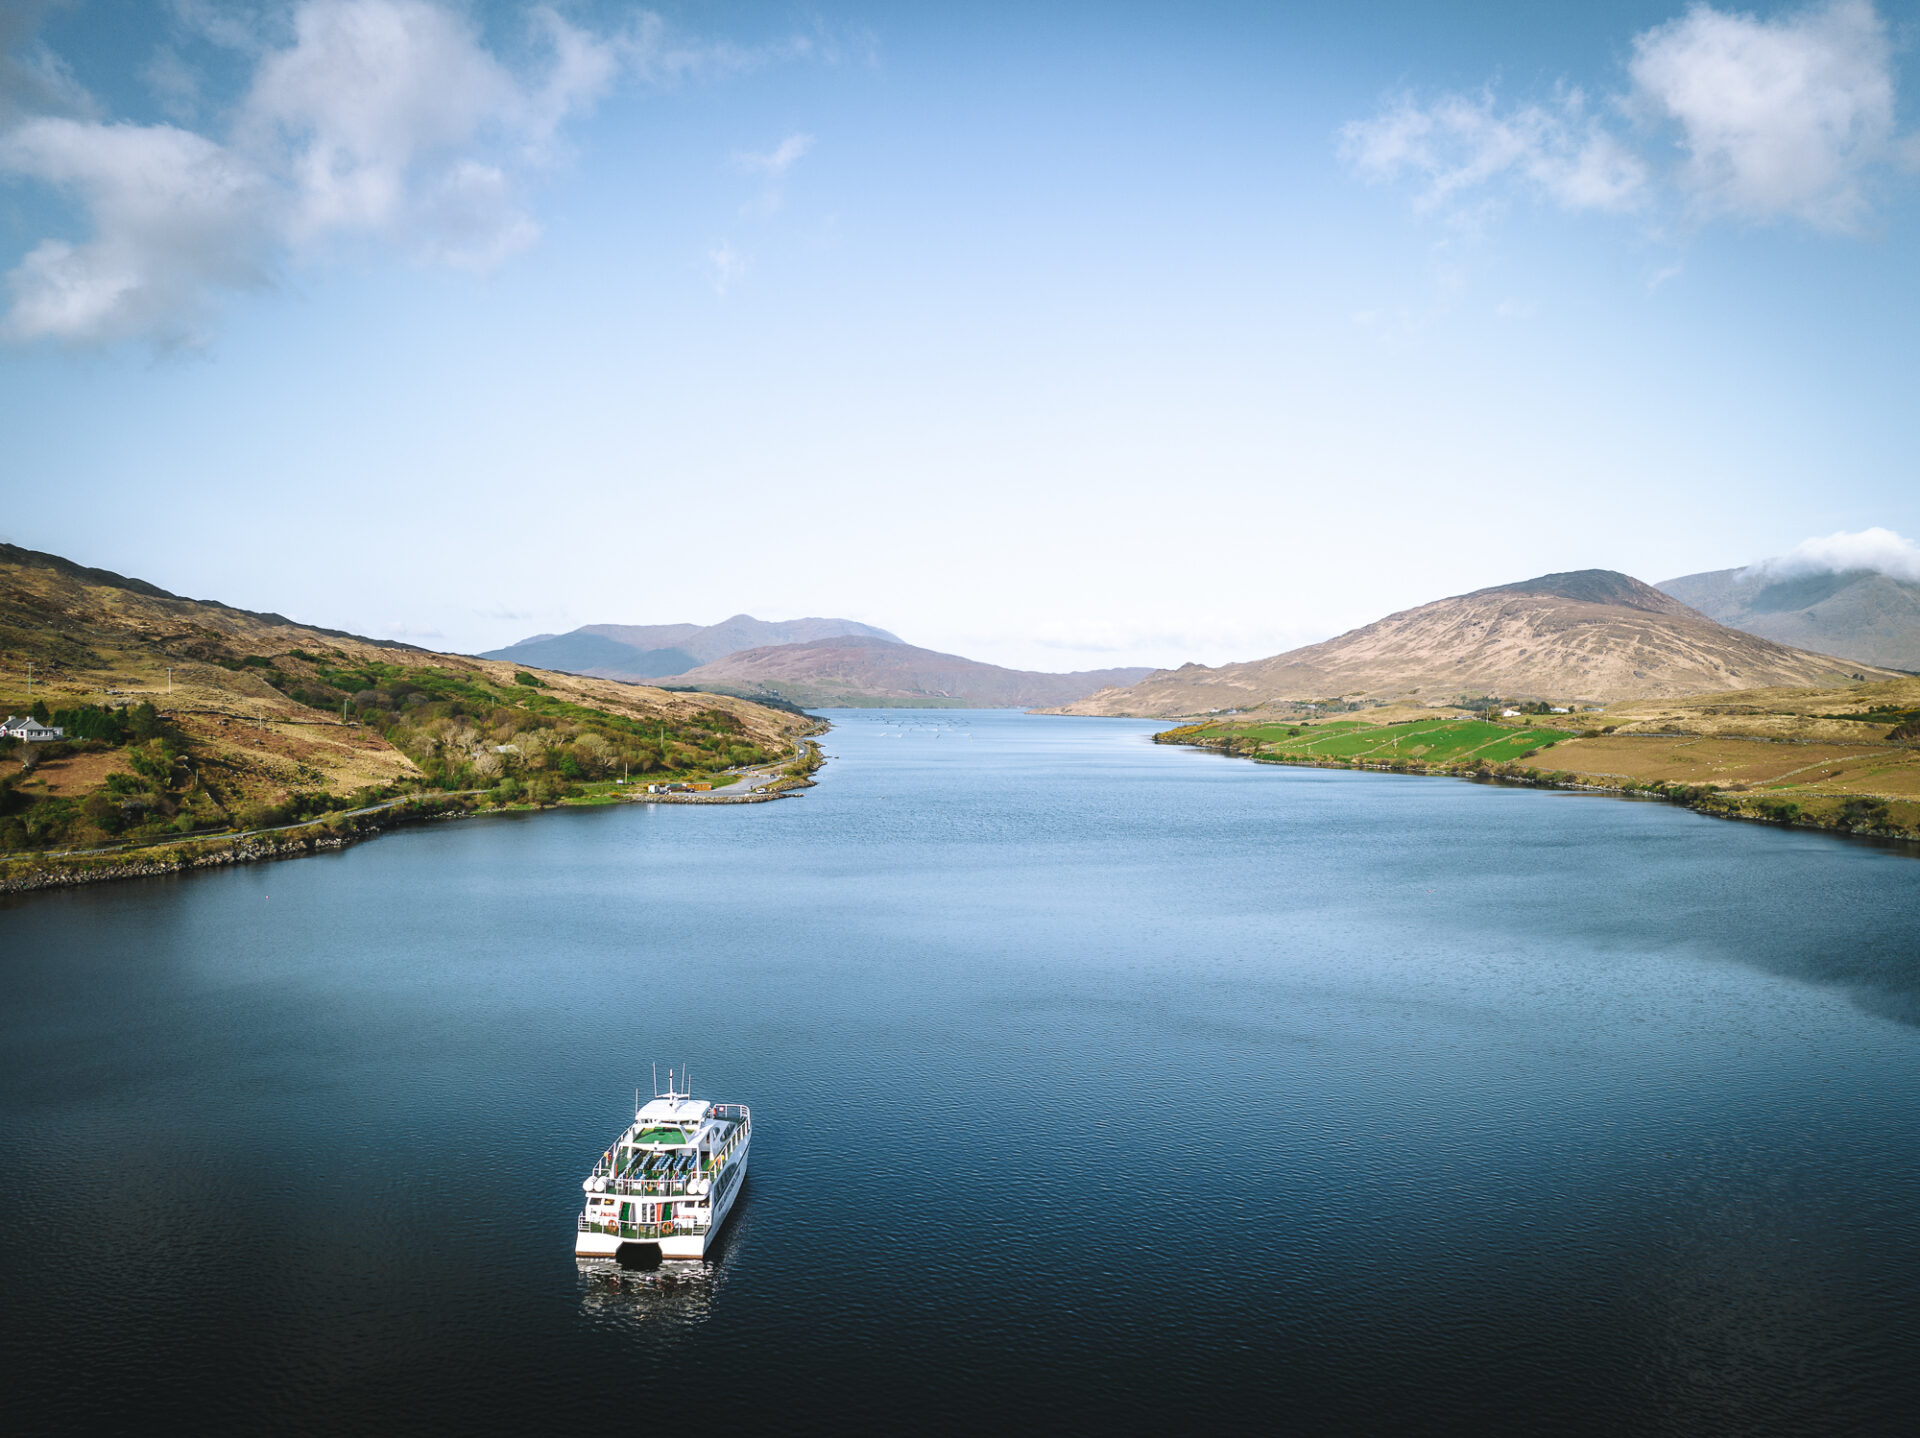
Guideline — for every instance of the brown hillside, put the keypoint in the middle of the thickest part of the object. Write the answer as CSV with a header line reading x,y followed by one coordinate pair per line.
x,y
1592,636
97,638
857,670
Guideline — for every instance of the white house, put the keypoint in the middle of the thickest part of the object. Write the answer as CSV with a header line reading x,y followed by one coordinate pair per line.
x,y
24,726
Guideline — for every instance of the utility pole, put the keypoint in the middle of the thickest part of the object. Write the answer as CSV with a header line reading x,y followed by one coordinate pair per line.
x,y
169,679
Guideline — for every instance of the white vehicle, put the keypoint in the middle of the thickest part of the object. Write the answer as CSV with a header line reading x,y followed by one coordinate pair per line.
x,y
668,1182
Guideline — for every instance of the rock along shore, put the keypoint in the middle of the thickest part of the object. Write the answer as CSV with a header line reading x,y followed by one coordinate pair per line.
x,y
28,873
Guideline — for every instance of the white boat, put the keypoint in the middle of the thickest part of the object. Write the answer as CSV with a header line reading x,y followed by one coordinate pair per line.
x,y
668,1182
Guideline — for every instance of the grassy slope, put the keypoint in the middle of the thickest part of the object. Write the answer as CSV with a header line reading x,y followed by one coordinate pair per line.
x,y
268,721
1817,757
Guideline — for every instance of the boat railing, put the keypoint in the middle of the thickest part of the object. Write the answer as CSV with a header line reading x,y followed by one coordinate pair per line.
x,y
640,1230
676,1183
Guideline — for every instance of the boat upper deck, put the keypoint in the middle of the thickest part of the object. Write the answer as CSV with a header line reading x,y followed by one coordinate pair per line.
x,y
672,1147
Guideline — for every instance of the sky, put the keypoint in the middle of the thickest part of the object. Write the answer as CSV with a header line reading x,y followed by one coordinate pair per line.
x,y
1060,336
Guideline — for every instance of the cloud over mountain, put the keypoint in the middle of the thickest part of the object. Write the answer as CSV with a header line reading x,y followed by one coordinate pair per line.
x,y
1880,551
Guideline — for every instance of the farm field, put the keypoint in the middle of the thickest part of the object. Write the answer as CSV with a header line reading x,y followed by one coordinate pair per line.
x,y
1852,776
1431,741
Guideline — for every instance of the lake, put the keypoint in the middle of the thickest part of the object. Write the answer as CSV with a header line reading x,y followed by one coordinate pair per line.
x,y
1096,1085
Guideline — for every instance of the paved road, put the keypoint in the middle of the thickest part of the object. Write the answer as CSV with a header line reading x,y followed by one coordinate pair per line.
x,y
759,778
250,833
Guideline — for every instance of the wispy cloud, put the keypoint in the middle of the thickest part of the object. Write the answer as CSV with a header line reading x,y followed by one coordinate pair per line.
x,y
1461,143
363,120
725,265
772,169
1723,114
1881,550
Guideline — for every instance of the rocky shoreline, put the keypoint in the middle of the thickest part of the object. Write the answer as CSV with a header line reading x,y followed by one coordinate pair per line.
x,y
29,874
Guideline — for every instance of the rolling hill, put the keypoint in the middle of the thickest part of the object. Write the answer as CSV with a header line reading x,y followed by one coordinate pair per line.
x,y
661,651
858,670
186,716
1591,635
1861,614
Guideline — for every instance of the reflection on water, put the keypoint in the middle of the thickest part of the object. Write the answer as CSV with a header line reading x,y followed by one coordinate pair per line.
x,y
676,1293
664,1294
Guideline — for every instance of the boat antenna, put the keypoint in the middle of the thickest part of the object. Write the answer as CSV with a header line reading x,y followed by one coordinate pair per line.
x,y
656,1078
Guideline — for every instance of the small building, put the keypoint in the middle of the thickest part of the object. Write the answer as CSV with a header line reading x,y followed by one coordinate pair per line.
x,y
26,727
1559,709
1509,713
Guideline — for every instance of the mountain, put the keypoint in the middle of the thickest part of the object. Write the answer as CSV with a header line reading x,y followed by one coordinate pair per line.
x,y
861,670
185,715
661,651
1862,614
1591,635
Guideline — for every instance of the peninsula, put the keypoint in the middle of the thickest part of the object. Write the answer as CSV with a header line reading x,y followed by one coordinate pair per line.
x,y
192,732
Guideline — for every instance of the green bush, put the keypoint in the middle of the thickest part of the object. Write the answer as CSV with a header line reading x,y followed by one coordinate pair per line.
x,y
1863,813
520,676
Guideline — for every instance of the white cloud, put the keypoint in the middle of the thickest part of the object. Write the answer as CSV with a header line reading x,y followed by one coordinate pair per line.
x,y
1784,118
1777,117
1462,142
380,120
1842,553
174,216
389,118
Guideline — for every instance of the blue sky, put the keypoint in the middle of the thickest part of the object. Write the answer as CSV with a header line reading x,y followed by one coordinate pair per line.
x,y
1058,336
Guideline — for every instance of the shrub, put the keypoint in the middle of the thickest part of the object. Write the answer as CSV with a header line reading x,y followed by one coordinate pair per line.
x,y
1862,813
520,676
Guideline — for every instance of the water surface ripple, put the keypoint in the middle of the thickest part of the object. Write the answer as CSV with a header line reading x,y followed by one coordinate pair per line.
x,y
1098,1086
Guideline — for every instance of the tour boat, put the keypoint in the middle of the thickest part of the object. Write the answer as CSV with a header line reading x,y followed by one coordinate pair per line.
x,y
668,1182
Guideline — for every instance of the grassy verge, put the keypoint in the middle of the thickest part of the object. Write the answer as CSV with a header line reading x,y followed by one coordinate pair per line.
x,y
1868,786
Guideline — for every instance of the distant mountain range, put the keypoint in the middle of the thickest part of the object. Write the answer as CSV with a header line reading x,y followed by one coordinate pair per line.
x,y
636,652
1591,635
1860,614
862,670
819,662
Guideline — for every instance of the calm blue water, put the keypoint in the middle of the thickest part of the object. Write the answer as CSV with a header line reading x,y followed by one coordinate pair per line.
x,y
1096,1085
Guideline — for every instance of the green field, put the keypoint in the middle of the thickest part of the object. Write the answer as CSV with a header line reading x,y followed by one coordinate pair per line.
x,y
1435,741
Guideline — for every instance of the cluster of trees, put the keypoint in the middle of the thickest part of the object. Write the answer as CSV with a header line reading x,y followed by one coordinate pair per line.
x,y
145,802
466,732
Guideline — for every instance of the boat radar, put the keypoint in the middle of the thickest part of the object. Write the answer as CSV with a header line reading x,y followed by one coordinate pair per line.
x,y
667,1184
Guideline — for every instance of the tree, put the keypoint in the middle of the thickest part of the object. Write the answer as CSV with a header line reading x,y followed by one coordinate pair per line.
x,y
143,721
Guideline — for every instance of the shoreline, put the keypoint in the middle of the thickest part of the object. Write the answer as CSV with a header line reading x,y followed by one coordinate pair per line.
x,y
1700,798
30,873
